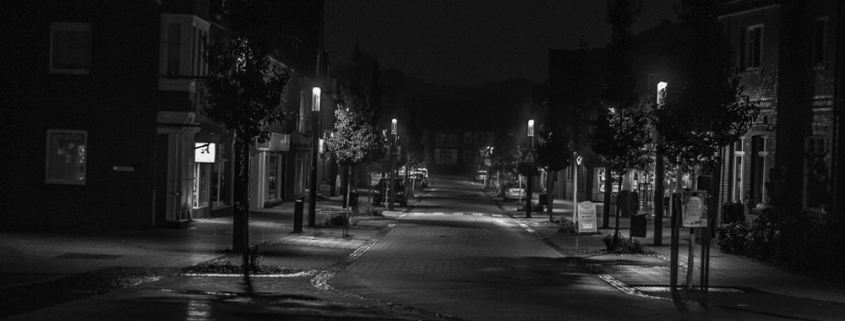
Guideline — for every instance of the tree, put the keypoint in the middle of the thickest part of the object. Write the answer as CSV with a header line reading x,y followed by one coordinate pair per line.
x,y
356,141
244,94
555,147
705,107
622,138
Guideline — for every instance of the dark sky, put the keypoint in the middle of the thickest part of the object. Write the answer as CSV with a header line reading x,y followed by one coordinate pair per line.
x,y
472,42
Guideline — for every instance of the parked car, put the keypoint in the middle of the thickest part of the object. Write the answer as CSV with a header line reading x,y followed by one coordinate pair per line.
x,y
513,190
480,175
382,193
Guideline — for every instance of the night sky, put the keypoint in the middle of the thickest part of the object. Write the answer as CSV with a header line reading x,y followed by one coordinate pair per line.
x,y
472,42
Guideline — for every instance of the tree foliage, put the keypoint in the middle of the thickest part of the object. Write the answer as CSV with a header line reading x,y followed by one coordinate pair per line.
x,y
622,138
355,141
705,107
245,87
555,146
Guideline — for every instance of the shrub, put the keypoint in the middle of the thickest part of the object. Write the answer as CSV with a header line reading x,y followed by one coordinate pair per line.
x,y
567,227
370,210
623,245
335,220
733,237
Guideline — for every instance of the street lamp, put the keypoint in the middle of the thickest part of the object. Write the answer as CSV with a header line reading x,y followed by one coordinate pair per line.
x,y
315,128
392,185
530,169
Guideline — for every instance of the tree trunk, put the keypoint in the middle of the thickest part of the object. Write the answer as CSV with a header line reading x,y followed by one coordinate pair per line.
x,y
240,232
549,196
618,203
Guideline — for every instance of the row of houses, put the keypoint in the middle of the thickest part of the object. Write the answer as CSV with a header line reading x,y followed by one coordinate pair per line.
x,y
790,57
102,114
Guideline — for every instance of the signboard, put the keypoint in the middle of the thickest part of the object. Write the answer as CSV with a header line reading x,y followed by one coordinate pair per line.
x,y
204,152
694,209
528,157
300,143
278,142
587,217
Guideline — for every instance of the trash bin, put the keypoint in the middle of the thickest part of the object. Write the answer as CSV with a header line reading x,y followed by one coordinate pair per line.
x,y
353,199
297,214
622,203
638,225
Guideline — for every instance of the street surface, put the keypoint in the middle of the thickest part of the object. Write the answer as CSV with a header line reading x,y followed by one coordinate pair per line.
x,y
455,253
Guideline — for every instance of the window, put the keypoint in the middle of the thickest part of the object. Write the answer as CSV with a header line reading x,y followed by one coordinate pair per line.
x,y
480,138
817,178
183,45
303,122
752,47
452,140
201,184
440,140
468,138
739,155
67,155
819,40
467,156
70,48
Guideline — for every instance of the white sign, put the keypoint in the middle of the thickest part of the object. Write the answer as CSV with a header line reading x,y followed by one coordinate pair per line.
x,y
587,217
204,152
694,210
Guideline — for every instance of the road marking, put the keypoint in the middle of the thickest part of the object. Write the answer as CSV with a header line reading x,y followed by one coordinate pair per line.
x,y
477,214
497,215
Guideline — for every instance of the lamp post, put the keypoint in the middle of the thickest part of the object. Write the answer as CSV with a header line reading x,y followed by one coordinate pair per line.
x,y
392,186
658,172
530,168
575,171
315,128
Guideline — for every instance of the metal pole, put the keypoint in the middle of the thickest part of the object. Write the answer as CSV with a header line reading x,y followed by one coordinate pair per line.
x,y
315,128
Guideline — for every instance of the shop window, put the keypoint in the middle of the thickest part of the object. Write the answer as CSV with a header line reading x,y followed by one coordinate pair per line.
x,y
70,48
202,180
67,155
219,194
272,176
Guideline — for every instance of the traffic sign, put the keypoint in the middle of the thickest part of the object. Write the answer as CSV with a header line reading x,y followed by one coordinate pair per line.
x,y
528,157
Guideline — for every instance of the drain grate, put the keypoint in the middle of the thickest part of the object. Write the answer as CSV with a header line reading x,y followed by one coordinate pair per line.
x,y
88,256
666,289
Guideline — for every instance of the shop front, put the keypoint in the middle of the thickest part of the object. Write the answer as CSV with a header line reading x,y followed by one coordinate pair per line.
x,y
267,179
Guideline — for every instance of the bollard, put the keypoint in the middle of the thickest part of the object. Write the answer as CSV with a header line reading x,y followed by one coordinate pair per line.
x,y
297,215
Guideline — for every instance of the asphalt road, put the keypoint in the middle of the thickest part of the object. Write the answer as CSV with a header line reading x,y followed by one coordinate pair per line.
x,y
454,253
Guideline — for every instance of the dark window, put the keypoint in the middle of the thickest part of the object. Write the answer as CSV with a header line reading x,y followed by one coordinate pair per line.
x,y
818,40
754,46
70,48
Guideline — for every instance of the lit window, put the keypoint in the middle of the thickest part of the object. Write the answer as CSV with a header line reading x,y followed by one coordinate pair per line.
x,y
70,48
66,157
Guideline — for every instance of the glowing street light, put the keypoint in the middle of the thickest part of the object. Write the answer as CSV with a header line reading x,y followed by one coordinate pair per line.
x,y
530,167
315,128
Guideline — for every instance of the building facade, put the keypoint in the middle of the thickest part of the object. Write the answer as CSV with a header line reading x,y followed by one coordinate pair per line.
x,y
787,56
104,108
